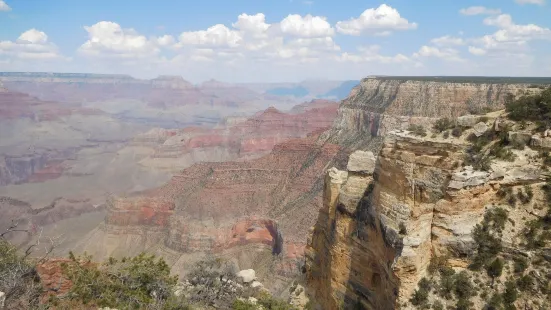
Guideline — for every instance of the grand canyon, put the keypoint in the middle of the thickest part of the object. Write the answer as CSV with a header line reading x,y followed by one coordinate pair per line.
x,y
343,198
275,155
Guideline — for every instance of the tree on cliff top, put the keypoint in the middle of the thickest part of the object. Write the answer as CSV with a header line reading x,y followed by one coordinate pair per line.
x,y
532,107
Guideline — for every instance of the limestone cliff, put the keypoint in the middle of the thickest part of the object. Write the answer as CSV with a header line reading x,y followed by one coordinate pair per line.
x,y
377,234
382,104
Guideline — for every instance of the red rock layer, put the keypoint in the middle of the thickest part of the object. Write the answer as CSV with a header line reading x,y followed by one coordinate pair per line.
x,y
255,136
210,207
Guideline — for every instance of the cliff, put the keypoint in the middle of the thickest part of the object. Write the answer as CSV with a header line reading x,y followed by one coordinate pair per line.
x,y
384,223
235,140
379,105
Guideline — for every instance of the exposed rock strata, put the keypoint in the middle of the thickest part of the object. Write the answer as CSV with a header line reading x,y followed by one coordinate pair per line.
x,y
379,105
375,236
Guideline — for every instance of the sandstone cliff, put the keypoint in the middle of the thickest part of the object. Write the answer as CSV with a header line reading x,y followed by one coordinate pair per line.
x,y
383,224
382,104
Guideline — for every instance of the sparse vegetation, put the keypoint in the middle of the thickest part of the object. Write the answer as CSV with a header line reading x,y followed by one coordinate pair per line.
x,y
443,124
417,130
457,132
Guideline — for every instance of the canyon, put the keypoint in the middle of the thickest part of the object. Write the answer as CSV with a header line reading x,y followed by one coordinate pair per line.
x,y
271,202
349,200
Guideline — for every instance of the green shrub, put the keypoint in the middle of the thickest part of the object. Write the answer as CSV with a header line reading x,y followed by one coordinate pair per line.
x,y
531,108
437,305
494,303
520,264
443,124
525,283
131,283
417,130
495,269
457,132
511,292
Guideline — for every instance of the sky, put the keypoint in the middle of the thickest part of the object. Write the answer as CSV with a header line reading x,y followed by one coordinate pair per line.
x,y
277,40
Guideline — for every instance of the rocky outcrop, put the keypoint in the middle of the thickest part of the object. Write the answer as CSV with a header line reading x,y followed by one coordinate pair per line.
x,y
215,208
379,105
252,138
376,235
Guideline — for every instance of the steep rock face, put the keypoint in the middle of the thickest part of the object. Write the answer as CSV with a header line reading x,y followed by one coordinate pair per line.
x,y
379,105
375,238
252,138
218,207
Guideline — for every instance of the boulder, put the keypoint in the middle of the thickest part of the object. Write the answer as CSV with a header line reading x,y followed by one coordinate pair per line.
x,y
519,137
256,284
536,140
2,299
337,176
246,276
467,120
480,129
361,161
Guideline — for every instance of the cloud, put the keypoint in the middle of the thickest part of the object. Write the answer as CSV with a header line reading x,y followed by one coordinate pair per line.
x,y
371,54
31,44
215,36
307,26
447,41
4,7
538,2
479,10
382,21
108,39
477,51
448,54
510,43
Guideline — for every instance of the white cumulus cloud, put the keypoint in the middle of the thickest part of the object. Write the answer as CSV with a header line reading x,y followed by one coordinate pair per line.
x,y
448,54
307,26
4,7
381,20
479,10
109,39
215,36
31,44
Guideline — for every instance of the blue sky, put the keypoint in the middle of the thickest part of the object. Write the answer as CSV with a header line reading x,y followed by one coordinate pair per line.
x,y
277,40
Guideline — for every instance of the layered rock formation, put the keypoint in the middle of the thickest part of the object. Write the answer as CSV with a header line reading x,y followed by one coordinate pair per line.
x,y
212,208
382,104
376,235
236,139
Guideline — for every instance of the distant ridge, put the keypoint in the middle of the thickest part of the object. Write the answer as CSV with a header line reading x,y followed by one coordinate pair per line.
x,y
466,79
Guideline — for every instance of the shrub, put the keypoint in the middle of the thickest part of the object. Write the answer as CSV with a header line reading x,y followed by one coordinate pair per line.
x,y
138,282
520,264
437,305
443,124
535,107
457,132
18,278
446,134
417,130
525,282
511,293
495,269
494,303
419,297
463,287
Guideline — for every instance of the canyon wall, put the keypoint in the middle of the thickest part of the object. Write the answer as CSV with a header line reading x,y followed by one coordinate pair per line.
x,y
382,104
376,235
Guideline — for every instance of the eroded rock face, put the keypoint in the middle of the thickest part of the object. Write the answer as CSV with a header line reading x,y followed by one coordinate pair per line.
x,y
217,207
380,105
375,236
248,139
